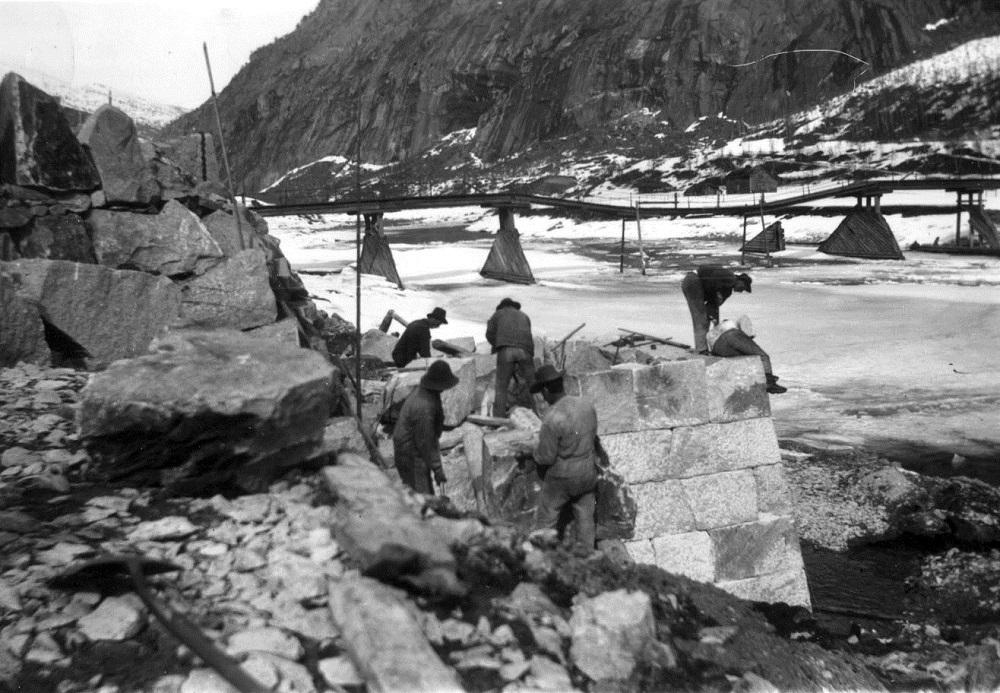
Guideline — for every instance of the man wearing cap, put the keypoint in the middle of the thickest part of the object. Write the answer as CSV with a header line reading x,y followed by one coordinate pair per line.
x,y
416,338
705,290
567,452
509,333
418,430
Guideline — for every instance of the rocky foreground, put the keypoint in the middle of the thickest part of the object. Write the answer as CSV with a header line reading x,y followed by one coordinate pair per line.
x,y
282,582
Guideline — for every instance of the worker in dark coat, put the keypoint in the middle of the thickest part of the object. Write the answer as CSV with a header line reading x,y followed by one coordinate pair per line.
x,y
705,290
416,338
509,333
566,456
418,430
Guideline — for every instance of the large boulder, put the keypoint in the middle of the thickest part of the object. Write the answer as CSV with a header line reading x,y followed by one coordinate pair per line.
x,y
22,337
377,344
173,243
125,174
172,181
207,409
234,293
37,145
109,314
221,226
62,237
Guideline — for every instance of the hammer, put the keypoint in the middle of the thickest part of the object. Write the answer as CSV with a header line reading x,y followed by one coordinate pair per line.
x,y
137,568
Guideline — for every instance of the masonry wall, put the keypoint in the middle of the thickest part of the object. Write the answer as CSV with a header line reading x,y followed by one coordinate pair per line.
x,y
695,442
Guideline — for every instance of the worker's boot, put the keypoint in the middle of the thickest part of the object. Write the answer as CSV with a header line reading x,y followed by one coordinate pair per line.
x,y
772,385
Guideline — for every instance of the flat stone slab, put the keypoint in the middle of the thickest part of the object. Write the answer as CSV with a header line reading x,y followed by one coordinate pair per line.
x,y
718,500
736,389
721,447
788,586
384,641
691,554
381,530
755,548
663,508
62,237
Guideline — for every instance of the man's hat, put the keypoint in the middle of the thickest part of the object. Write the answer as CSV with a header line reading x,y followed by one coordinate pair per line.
x,y
746,280
439,315
544,375
508,303
438,377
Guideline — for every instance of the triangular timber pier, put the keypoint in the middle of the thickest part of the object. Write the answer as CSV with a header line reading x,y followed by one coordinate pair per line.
x,y
864,233
376,255
506,260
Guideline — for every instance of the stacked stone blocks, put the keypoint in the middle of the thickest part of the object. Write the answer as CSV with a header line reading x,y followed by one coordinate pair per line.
x,y
695,442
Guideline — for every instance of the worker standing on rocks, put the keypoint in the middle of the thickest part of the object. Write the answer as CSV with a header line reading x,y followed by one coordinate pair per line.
x,y
416,338
509,333
706,289
566,456
416,436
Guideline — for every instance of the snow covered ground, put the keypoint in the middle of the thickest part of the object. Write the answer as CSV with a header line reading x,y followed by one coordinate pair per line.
x,y
897,355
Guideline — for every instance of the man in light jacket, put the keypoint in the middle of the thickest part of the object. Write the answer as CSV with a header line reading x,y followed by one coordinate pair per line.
x,y
509,333
415,439
566,456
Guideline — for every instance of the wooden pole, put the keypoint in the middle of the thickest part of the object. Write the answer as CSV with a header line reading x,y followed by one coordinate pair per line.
x,y
767,244
621,252
958,222
222,146
357,257
638,230
743,250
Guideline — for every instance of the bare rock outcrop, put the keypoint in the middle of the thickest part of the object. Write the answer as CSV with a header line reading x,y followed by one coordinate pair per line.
x,y
209,409
23,336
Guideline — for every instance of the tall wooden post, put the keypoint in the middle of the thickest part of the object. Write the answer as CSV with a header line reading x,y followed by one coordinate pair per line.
x,y
958,221
763,227
743,248
638,231
621,252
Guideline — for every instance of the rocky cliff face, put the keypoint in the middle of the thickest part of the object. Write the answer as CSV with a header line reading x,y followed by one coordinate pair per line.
x,y
524,70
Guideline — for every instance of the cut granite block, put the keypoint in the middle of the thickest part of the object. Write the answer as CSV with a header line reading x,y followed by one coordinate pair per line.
x,y
773,493
735,389
662,509
714,448
691,554
672,394
788,586
755,548
723,499
613,396
639,456
641,551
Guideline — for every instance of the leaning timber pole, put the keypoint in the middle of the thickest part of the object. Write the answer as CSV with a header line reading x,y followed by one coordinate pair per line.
x,y
222,146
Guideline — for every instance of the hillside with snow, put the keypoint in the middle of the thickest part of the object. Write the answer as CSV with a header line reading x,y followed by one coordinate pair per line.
x,y
934,116
147,114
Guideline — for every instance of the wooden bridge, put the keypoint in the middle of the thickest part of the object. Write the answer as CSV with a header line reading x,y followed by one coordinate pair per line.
x,y
864,227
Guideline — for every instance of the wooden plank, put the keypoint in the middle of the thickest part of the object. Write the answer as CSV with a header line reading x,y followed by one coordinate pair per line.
x,y
487,420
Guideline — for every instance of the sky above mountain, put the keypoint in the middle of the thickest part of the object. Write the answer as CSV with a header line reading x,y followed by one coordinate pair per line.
x,y
147,48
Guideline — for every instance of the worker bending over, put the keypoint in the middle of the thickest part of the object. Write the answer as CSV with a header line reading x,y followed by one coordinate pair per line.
x,y
416,338
706,289
566,456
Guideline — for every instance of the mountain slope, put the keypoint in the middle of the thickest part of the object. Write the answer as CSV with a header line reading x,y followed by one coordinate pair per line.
x,y
524,71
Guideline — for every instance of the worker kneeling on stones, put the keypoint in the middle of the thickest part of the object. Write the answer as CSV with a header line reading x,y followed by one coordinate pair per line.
x,y
415,439
566,456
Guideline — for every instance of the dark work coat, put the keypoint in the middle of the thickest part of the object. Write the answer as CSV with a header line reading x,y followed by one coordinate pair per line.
x,y
415,341
717,284
415,439
509,327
